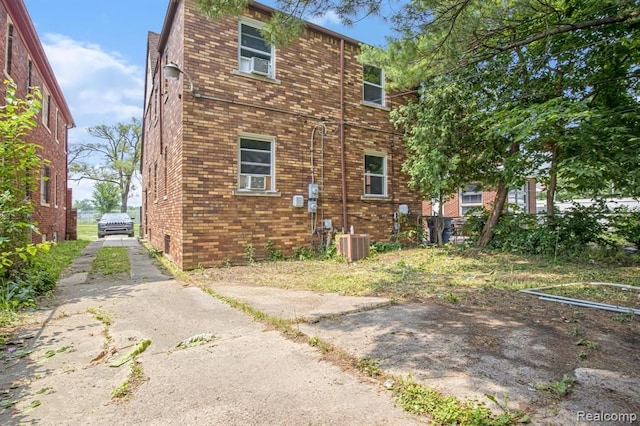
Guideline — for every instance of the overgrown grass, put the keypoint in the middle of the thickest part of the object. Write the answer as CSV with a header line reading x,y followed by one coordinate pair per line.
x,y
134,379
89,231
427,272
110,261
448,410
59,257
38,280
599,293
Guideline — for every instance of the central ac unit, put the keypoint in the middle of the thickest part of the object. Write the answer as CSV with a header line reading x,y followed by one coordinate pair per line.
x,y
259,66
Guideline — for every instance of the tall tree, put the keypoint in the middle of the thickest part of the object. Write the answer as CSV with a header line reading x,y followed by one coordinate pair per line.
x,y
85,205
105,197
557,83
439,138
114,159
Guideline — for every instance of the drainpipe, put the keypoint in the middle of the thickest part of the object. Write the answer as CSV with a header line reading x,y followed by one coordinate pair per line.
x,y
342,146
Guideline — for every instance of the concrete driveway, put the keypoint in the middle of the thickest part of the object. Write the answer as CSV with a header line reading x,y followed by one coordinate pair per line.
x,y
56,371
249,374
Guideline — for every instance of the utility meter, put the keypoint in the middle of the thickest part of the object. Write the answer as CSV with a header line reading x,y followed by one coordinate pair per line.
x,y
313,191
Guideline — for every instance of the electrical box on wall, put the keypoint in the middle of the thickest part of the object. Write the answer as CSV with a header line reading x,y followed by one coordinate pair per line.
x,y
312,206
313,191
298,201
403,209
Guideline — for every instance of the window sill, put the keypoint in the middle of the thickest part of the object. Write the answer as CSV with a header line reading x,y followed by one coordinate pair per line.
x,y
374,105
375,198
245,193
256,77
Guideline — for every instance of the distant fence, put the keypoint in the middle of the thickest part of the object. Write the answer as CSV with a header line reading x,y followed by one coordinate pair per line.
x,y
90,216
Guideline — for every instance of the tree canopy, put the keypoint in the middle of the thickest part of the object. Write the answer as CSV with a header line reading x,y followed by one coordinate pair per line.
x,y
114,159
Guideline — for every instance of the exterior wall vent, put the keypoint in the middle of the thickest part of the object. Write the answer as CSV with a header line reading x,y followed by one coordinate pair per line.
x,y
353,247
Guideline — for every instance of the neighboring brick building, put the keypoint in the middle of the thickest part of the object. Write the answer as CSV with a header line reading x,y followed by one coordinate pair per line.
x,y
471,197
230,150
22,59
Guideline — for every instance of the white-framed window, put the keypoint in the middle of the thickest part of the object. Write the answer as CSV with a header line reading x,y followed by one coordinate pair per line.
x,y
45,185
255,54
256,157
518,197
29,75
9,52
373,85
470,198
55,192
46,107
375,174
57,126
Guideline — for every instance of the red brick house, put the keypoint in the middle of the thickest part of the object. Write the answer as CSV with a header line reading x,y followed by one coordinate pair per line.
x,y
472,197
23,60
258,148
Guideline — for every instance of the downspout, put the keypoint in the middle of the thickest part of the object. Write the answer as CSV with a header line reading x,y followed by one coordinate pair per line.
x,y
161,98
343,171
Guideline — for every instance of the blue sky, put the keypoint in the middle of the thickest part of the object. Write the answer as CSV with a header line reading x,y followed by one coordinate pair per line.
x,y
97,49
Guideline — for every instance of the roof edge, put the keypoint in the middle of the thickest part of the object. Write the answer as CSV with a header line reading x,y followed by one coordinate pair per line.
x,y
21,18
315,27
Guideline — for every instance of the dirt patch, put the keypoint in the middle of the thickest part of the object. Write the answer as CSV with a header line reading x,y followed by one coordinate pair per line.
x,y
550,360
557,362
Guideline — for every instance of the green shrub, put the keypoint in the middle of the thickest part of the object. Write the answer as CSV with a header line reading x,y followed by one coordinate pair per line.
x,y
304,253
272,252
16,295
20,288
625,223
565,234
381,247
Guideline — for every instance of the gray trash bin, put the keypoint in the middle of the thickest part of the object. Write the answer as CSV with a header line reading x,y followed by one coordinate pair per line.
x,y
446,231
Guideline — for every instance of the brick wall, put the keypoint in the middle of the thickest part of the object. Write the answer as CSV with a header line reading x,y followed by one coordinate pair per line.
x,y
72,218
50,217
208,220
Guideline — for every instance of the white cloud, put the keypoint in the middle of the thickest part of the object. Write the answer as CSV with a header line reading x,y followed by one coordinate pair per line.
x,y
99,87
330,17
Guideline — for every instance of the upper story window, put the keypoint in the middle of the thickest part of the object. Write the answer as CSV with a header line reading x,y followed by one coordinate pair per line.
x,y
375,175
373,85
9,44
256,164
29,76
57,126
470,198
256,56
46,106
